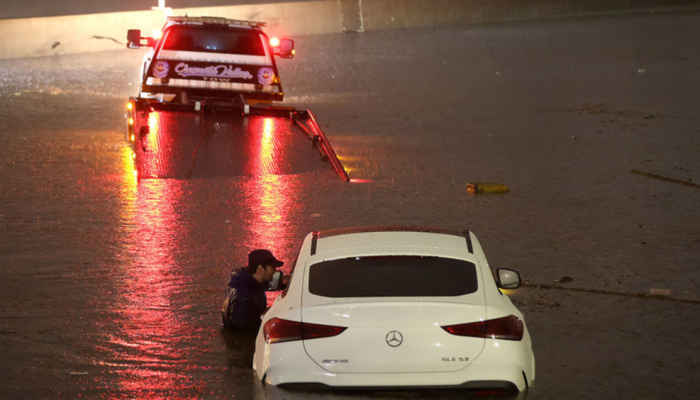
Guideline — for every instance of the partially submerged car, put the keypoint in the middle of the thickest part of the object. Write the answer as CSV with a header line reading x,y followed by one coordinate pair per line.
x,y
395,307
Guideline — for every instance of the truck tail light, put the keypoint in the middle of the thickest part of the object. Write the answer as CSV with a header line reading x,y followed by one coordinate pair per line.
x,y
279,330
274,42
506,328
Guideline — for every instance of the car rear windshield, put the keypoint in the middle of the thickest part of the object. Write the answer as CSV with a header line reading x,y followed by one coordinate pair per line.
x,y
214,41
393,276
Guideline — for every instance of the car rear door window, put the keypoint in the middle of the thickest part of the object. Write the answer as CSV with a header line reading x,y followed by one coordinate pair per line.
x,y
393,276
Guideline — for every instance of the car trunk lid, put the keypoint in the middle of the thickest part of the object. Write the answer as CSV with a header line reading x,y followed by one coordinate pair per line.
x,y
394,336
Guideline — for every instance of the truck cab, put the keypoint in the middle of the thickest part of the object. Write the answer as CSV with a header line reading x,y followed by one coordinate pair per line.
x,y
211,59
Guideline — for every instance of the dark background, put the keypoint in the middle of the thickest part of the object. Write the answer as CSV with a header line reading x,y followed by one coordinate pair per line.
x,y
50,8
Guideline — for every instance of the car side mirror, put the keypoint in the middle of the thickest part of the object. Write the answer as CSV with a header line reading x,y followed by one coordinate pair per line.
x,y
287,48
133,38
508,279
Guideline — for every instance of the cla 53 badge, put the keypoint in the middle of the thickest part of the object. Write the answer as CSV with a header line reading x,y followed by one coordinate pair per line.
x,y
160,69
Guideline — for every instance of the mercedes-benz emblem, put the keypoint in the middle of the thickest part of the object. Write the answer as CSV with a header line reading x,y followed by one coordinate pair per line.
x,y
394,338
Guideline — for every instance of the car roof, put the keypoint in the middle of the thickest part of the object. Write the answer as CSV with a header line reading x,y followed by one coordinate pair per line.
x,y
392,240
390,228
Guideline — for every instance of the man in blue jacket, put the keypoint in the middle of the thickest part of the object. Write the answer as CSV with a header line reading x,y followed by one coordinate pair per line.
x,y
245,300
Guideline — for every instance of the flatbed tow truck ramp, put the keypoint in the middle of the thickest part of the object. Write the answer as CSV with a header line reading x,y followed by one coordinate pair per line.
x,y
205,105
269,141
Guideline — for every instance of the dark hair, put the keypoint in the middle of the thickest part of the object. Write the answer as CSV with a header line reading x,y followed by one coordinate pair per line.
x,y
252,269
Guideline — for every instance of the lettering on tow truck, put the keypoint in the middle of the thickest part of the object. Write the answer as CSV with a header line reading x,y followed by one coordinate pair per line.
x,y
218,71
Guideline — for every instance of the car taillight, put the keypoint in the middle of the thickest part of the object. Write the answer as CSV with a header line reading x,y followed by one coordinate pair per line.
x,y
281,330
506,328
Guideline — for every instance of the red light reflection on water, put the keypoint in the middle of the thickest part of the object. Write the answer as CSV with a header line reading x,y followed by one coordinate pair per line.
x,y
151,347
267,203
267,148
153,129
185,145
263,146
153,161
268,196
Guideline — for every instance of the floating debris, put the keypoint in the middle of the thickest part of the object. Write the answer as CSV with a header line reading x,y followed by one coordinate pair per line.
x,y
663,178
486,187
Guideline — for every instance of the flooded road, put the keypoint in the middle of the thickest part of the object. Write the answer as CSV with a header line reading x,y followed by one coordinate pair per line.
x,y
186,145
111,285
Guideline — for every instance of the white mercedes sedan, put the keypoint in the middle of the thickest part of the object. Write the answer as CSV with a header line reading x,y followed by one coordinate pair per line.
x,y
395,307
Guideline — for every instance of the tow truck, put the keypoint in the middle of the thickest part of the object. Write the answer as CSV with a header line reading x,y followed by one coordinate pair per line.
x,y
199,71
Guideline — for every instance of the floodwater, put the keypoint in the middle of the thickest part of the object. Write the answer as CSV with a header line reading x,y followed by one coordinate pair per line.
x,y
111,284
185,145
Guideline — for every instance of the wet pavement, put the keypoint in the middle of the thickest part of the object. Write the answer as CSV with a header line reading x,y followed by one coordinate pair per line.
x,y
111,285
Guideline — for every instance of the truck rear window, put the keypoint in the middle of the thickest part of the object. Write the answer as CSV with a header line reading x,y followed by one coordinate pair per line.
x,y
393,276
214,41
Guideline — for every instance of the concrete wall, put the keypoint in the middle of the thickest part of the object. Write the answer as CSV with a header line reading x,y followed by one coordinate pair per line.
x,y
391,14
54,8
33,37
283,19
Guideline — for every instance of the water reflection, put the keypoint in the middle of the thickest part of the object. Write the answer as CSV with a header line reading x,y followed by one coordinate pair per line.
x,y
268,196
185,145
154,130
152,345
152,349
263,164
155,149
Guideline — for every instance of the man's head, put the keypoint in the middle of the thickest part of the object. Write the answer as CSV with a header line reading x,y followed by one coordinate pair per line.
x,y
262,265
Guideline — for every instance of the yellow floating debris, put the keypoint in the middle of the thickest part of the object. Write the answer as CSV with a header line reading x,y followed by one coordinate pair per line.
x,y
660,292
486,187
